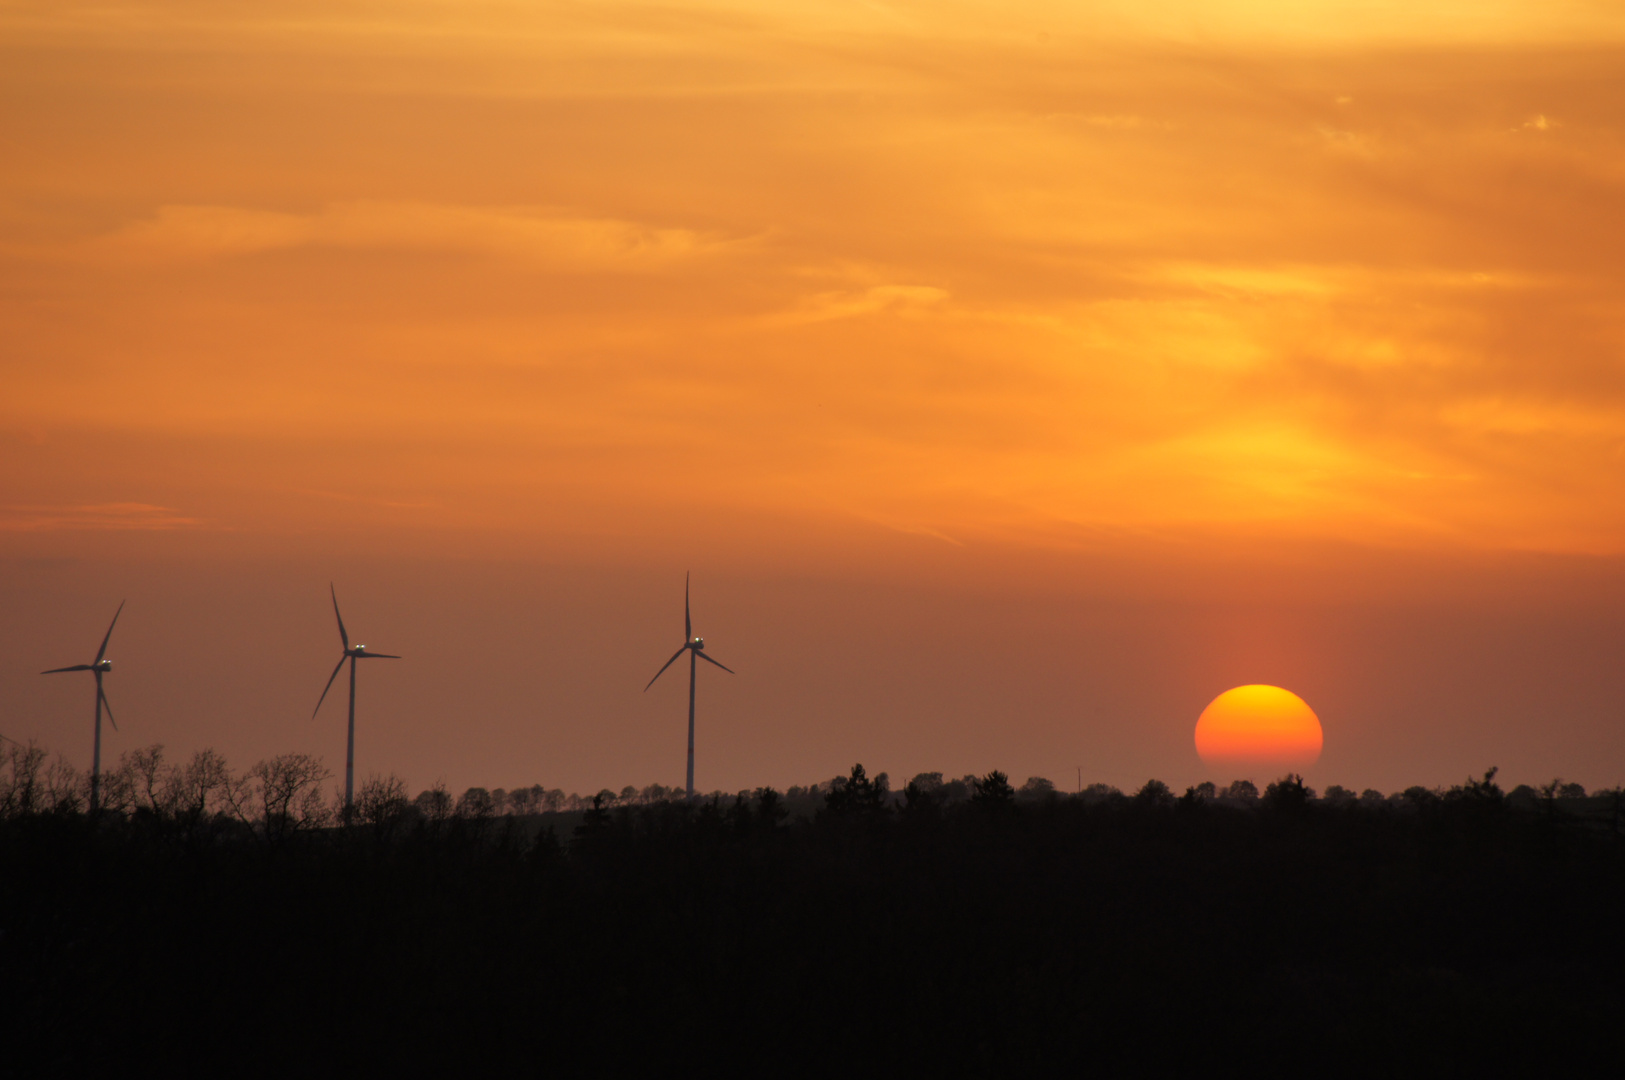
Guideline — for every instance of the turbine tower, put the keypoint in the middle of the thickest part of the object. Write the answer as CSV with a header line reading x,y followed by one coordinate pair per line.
x,y
695,647
99,667
352,655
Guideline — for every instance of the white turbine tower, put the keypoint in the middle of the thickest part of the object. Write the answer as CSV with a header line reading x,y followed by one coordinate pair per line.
x,y
695,647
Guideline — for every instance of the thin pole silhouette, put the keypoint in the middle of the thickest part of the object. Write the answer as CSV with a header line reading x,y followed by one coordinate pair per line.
x,y
695,647
352,655
99,667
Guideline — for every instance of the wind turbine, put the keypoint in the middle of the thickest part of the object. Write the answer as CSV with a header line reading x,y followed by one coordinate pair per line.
x,y
695,647
99,667
358,653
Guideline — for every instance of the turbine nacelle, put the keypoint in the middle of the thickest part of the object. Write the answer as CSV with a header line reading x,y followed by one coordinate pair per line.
x,y
102,665
352,653
696,643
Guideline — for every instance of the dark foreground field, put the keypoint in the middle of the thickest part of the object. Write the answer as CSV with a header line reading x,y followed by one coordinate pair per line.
x,y
1124,937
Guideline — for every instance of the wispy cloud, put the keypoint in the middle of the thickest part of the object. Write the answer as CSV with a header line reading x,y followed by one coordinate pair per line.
x,y
93,517
905,300
535,234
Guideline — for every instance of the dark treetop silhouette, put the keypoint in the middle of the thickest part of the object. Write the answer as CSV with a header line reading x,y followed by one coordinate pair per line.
x,y
358,653
99,667
695,647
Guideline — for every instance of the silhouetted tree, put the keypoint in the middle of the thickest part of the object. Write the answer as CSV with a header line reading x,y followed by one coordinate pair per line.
x,y
1206,790
1338,795
435,803
20,783
858,795
927,783
202,787
1480,793
145,767
382,804
993,791
770,809
1288,795
66,791
476,805
1241,791
118,790
1154,794
923,794
1419,797
1036,787
595,821
1549,794
283,796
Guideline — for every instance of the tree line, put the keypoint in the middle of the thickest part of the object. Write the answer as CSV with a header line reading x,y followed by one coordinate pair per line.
x,y
286,795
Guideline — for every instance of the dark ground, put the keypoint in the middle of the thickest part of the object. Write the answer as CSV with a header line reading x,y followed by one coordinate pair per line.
x,y
1119,938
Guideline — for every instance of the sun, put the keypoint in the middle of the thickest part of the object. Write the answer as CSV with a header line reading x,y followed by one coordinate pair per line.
x,y
1259,726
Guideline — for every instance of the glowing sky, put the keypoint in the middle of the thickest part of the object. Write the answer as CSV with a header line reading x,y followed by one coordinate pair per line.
x,y
1286,329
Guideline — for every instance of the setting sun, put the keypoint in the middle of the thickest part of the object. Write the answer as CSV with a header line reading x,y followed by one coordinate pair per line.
x,y
1259,725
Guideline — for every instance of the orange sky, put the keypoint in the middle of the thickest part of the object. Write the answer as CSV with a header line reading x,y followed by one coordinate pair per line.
x,y
1224,315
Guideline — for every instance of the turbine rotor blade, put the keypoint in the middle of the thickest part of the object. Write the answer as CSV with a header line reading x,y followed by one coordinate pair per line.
x,y
376,656
101,652
688,623
343,636
76,667
666,665
329,686
108,706
708,660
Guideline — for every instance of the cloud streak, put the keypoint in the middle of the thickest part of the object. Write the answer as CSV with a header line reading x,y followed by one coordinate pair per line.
x,y
525,233
115,517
